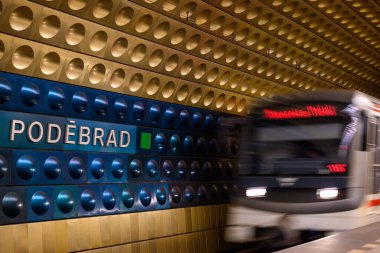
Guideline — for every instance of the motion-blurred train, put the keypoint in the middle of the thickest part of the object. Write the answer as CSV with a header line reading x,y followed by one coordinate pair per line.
x,y
313,158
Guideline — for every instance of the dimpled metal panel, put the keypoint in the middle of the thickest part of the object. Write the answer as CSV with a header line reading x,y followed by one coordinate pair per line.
x,y
75,175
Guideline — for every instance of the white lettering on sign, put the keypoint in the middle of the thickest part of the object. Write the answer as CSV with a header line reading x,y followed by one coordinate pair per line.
x,y
68,134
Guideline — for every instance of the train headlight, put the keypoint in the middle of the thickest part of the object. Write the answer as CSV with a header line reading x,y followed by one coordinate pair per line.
x,y
255,192
327,193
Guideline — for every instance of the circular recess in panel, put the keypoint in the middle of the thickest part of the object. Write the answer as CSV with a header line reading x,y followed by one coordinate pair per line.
x,y
217,23
208,98
193,42
168,90
40,203
75,34
188,10
124,16
102,8
144,23
138,53
21,18
275,24
153,86
76,5
231,56
284,30
264,19
241,34
242,60
235,81
22,57
278,2
290,6
212,75
253,39
306,19
170,5
293,34
254,13
271,70
98,41
245,85
263,44
325,3
263,66
172,63
253,64
117,78
241,106
231,103
156,58
178,36
136,82
203,17
299,12
220,100
49,27
224,78
186,67
119,47
226,3
12,204
200,71
97,73
161,30
196,96
262,93
207,47
279,74
56,98
229,29
281,52
74,68
50,63
242,7
2,49
219,52
183,92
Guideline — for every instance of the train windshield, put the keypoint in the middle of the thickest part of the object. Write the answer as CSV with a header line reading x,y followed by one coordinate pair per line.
x,y
297,145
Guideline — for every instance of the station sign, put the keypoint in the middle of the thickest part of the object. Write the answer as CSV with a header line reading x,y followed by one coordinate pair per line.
x,y
35,131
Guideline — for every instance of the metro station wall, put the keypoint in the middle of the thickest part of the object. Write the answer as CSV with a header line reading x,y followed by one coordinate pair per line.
x,y
63,68
174,157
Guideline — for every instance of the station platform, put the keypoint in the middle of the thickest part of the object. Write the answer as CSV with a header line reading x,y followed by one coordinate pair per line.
x,y
365,239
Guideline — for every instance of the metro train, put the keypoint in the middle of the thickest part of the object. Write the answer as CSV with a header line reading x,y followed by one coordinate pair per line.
x,y
310,158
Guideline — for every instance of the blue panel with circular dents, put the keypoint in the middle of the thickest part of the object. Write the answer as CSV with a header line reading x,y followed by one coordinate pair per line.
x,y
13,205
39,203
52,166
160,141
117,171
8,88
110,197
152,166
136,169
182,141
30,95
168,168
76,168
65,202
5,167
26,168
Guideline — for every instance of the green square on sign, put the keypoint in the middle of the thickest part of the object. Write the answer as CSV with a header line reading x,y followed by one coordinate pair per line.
x,y
145,139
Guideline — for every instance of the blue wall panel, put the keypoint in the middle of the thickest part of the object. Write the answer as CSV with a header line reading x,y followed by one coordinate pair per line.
x,y
174,157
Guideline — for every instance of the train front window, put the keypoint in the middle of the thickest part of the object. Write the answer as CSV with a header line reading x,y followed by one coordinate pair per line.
x,y
307,147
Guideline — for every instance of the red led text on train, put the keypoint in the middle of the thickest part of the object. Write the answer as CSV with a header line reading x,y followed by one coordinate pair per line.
x,y
337,167
307,112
